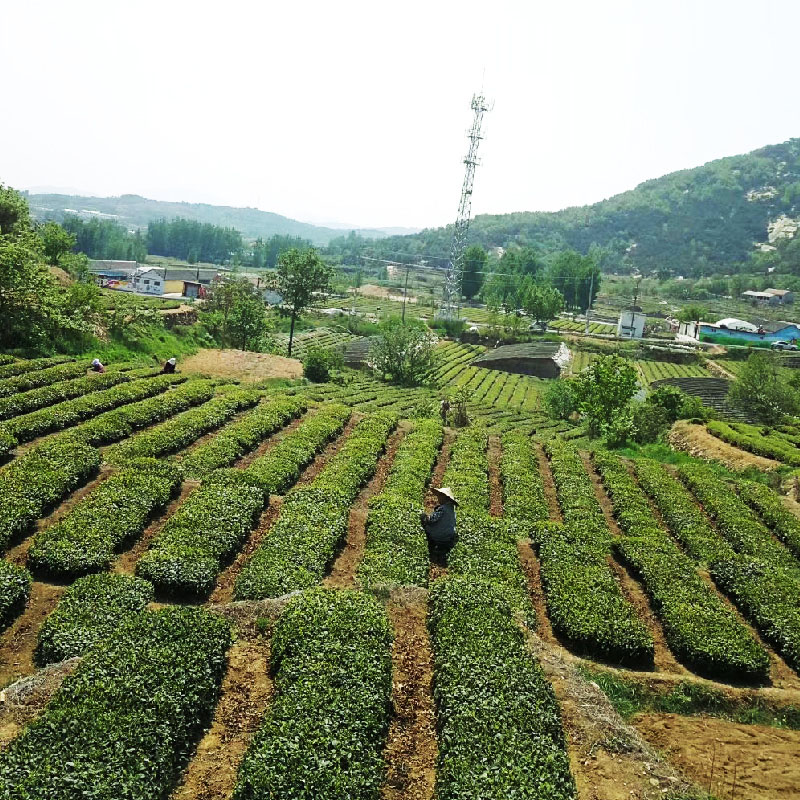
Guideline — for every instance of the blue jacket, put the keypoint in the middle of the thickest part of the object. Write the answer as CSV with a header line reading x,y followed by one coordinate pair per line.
x,y
440,524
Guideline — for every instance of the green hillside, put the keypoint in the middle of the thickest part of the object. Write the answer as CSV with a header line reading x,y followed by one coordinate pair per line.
x,y
695,221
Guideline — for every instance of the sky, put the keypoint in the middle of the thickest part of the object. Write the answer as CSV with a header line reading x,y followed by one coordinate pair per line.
x,y
357,112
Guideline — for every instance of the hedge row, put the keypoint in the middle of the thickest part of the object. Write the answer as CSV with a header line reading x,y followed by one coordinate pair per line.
x,y
396,550
15,587
71,412
7,444
685,520
467,470
124,722
12,367
767,446
175,434
735,521
500,732
89,612
700,629
326,727
523,490
25,402
584,600
313,520
784,524
33,380
6,359
86,539
241,436
36,481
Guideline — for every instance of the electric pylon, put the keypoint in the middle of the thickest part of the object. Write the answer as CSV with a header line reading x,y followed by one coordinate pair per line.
x,y
451,297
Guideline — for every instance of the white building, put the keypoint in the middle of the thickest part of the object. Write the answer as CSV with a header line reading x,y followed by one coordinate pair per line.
x,y
631,325
148,280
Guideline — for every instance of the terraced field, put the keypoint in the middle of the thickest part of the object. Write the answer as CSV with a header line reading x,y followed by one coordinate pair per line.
x,y
651,371
316,337
304,645
575,326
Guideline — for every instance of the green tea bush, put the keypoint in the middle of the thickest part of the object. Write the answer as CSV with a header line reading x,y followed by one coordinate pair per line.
x,y
750,438
175,434
7,444
15,587
12,368
396,550
467,470
44,377
313,520
36,481
500,732
324,733
241,436
86,539
784,524
90,611
319,362
523,490
125,721
700,629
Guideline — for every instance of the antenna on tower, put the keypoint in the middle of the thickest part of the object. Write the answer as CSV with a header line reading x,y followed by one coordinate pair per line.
x,y
451,298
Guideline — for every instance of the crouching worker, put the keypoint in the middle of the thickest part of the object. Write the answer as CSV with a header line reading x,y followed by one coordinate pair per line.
x,y
440,525
97,366
169,366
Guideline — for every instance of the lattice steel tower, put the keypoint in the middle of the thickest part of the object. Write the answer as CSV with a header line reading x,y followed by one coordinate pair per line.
x,y
451,299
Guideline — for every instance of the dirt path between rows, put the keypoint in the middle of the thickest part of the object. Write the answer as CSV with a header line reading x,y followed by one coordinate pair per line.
x,y
494,455
246,691
411,747
343,570
264,447
531,568
125,563
437,570
549,485
698,442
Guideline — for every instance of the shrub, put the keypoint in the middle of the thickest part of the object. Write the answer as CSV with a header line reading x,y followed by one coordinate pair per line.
x,y
404,352
15,587
784,524
124,721
319,362
90,611
324,733
558,399
468,469
117,511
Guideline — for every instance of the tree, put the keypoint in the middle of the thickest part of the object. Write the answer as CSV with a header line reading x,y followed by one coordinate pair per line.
x,y
247,322
13,210
761,389
56,242
604,390
542,304
475,261
577,277
692,313
404,352
300,276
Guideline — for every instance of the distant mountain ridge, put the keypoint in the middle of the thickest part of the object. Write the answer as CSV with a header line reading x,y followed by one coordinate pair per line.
x,y
135,212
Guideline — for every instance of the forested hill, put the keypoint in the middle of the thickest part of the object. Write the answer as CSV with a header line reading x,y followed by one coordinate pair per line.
x,y
134,211
694,221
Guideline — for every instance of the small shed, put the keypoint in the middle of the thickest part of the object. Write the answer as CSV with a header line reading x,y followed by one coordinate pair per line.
x,y
631,325
539,359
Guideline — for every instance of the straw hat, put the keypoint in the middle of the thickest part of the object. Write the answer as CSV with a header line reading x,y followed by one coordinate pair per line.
x,y
446,492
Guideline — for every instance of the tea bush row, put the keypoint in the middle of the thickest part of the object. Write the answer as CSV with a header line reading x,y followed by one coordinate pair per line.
x,y
15,588
211,526
90,611
700,629
9,369
396,550
124,722
523,490
767,446
467,470
175,434
241,436
584,601
33,380
86,539
500,732
313,520
324,733
784,524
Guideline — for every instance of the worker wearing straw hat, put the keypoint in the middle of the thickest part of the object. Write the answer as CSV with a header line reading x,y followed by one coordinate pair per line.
x,y
440,524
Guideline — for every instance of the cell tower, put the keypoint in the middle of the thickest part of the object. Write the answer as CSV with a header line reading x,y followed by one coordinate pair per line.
x,y
451,299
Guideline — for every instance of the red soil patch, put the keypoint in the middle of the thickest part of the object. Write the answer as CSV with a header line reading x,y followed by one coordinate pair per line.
x,y
411,747
241,365
531,568
750,762
549,486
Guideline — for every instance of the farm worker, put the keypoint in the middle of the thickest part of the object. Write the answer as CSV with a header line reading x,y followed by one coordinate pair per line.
x,y
97,366
444,407
169,366
440,524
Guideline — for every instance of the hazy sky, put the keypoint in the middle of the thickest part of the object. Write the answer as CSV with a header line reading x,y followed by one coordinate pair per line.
x,y
357,111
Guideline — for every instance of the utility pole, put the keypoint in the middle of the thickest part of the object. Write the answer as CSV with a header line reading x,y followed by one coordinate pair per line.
x,y
405,292
451,298
589,309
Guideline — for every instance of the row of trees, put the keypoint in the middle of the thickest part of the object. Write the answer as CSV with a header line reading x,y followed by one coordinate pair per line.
x,y
104,238
193,241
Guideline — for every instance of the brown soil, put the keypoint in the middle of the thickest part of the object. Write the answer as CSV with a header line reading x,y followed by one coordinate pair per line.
x,y
549,485
18,641
343,571
246,692
223,592
531,568
698,442
126,562
749,762
381,292
609,759
246,460
25,698
715,368
494,454
241,365
411,747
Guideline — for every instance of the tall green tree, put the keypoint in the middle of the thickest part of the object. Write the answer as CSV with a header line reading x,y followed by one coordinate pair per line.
x,y
762,390
475,262
301,278
247,322
56,242
577,277
403,351
604,390
543,303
